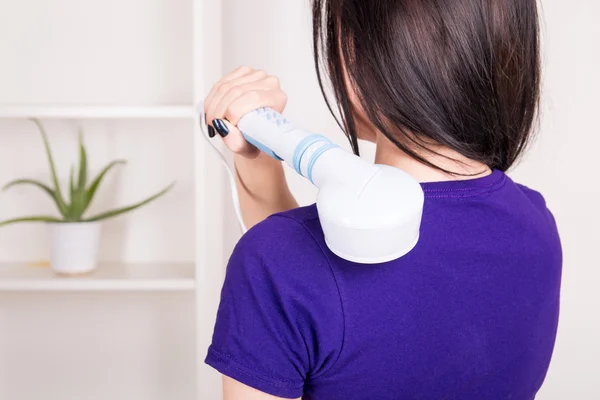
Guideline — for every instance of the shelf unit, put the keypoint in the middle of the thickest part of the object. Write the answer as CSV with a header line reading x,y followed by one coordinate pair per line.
x,y
202,278
113,277
96,112
117,276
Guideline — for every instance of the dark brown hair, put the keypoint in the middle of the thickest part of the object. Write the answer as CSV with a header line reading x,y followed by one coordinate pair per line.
x,y
464,74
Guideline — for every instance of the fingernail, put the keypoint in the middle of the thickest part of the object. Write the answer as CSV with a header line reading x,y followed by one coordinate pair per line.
x,y
211,132
221,127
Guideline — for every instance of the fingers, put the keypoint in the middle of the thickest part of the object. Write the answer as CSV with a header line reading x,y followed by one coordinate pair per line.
x,y
238,77
236,73
251,101
235,142
250,91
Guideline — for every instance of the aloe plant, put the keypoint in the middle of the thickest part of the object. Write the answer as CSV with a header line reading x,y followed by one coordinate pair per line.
x,y
81,193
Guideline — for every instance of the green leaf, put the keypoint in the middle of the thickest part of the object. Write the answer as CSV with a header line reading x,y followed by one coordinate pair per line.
x,y
35,218
40,185
74,205
82,164
71,183
96,182
79,194
60,202
119,211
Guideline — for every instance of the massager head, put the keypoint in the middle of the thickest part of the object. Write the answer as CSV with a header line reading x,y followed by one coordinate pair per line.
x,y
375,223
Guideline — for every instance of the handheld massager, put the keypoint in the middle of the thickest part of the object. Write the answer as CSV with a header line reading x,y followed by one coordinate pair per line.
x,y
369,213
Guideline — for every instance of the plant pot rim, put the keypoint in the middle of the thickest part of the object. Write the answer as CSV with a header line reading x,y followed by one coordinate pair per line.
x,y
90,223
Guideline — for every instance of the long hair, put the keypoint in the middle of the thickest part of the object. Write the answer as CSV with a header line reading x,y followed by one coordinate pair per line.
x,y
464,74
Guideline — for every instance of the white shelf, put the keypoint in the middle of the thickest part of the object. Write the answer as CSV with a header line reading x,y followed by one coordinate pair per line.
x,y
108,277
96,112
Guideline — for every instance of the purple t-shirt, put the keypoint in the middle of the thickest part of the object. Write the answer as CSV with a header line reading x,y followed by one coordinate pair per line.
x,y
469,314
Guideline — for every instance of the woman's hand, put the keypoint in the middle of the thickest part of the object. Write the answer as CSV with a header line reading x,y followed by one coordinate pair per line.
x,y
238,93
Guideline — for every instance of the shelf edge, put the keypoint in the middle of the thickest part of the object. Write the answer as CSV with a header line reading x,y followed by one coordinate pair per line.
x,y
97,112
99,286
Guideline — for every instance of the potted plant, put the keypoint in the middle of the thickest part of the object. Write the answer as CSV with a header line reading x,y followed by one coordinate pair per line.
x,y
74,237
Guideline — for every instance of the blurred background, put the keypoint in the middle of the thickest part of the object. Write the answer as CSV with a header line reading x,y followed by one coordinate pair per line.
x,y
128,73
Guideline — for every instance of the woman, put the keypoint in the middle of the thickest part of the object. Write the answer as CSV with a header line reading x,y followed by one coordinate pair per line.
x,y
448,90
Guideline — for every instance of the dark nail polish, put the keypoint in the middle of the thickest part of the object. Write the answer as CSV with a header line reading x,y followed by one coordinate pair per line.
x,y
221,127
211,132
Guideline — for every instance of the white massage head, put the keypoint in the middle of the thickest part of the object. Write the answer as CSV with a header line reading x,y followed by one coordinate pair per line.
x,y
369,213
375,223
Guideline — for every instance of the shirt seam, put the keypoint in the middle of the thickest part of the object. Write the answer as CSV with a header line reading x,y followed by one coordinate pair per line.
x,y
491,189
500,181
236,365
335,279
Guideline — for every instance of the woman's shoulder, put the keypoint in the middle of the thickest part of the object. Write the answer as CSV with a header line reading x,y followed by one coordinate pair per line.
x,y
285,231
284,246
537,202
304,216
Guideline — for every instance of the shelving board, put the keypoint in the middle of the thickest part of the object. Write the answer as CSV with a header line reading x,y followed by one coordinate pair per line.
x,y
107,277
96,112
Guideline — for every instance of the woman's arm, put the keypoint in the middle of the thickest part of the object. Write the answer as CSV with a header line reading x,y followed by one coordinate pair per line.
x,y
260,179
234,390
262,188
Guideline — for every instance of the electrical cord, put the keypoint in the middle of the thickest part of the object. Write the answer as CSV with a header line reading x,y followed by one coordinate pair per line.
x,y
234,192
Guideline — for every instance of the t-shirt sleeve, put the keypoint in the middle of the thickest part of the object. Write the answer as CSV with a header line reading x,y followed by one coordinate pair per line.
x,y
279,320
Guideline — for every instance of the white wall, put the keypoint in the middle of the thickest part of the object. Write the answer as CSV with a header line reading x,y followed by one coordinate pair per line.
x,y
105,52
275,35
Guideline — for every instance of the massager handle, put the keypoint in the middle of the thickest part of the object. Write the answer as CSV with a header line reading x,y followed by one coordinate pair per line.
x,y
302,150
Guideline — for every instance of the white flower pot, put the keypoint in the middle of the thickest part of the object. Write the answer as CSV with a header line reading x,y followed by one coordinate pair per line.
x,y
74,247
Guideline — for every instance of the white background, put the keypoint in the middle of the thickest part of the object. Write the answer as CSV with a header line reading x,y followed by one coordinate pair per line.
x,y
140,346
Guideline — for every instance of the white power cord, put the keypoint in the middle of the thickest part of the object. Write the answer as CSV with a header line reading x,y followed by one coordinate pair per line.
x,y
234,193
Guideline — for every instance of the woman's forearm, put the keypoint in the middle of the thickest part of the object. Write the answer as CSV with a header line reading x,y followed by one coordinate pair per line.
x,y
262,188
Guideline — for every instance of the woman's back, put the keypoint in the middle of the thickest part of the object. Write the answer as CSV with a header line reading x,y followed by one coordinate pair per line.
x,y
470,313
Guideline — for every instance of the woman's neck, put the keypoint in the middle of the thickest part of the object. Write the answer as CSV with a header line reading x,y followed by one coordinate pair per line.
x,y
389,154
